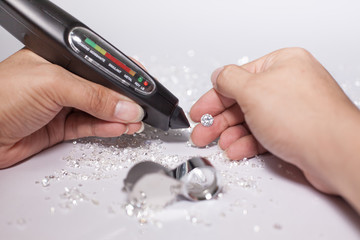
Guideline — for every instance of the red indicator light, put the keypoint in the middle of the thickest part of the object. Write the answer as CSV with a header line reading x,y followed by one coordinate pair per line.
x,y
146,83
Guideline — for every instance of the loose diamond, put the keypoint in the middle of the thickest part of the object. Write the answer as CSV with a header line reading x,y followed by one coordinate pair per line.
x,y
45,182
207,120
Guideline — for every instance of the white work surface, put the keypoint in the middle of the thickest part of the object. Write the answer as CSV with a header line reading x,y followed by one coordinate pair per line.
x,y
181,43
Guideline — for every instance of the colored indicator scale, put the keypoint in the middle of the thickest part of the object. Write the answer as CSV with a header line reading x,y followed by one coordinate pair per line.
x,y
110,57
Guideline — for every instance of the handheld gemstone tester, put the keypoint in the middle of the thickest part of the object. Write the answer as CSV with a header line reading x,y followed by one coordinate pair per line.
x,y
55,35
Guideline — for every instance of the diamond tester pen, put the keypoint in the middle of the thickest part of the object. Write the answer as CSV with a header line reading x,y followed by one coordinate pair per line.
x,y
55,35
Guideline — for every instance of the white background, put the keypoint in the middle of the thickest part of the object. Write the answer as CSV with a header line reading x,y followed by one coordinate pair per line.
x,y
163,34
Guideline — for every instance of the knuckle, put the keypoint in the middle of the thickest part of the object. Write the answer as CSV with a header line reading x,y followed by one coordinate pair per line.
x,y
298,52
55,70
229,70
27,54
48,79
53,74
301,58
53,83
97,98
226,74
301,51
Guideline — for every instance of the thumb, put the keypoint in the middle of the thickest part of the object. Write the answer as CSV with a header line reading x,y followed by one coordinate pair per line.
x,y
96,100
231,80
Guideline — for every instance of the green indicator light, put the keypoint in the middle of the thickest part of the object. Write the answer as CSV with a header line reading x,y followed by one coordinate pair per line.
x,y
91,43
140,79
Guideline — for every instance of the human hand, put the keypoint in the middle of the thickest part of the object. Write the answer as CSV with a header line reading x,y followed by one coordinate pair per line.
x,y
287,103
43,104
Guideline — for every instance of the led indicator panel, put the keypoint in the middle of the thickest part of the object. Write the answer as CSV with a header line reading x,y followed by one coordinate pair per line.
x,y
110,61
109,56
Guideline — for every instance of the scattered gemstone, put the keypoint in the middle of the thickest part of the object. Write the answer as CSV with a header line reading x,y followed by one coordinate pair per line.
x,y
52,210
45,182
99,159
207,120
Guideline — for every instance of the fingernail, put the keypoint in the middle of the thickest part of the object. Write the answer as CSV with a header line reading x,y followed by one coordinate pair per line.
x,y
225,155
141,128
215,75
128,112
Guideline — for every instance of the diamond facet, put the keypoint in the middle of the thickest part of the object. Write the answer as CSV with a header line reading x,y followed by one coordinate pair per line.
x,y
207,120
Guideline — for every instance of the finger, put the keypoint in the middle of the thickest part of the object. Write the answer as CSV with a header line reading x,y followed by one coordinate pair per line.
x,y
80,125
135,128
202,136
99,101
212,103
245,147
231,135
231,80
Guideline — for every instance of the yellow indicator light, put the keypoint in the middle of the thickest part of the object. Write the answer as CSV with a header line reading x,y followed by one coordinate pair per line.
x,y
99,49
132,73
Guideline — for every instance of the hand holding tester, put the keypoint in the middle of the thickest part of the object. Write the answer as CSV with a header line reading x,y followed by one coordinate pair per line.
x,y
55,35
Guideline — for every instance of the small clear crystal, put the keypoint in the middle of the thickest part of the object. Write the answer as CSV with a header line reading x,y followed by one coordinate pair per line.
x,y
52,210
208,196
207,120
129,210
194,220
45,182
